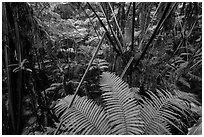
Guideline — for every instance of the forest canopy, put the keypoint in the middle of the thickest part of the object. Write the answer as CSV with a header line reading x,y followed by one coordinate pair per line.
x,y
102,68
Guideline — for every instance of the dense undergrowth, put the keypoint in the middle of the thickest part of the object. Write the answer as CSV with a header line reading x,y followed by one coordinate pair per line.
x,y
102,68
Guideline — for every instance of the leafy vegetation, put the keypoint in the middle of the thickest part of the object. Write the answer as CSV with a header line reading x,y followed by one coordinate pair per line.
x,y
102,68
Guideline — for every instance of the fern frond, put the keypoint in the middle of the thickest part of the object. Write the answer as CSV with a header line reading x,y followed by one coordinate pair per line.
x,y
62,106
194,77
184,82
102,64
123,113
84,117
188,97
163,110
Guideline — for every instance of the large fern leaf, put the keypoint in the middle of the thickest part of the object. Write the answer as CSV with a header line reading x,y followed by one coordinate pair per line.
x,y
165,109
123,113
84,117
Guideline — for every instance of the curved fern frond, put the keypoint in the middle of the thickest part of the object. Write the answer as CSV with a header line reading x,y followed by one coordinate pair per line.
x,y
84,117
123,112
164,110
194,77
101,64
62,106
188,97
184,82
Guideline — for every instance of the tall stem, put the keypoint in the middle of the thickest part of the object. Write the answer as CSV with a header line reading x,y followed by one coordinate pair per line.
x,y
20,73
108,34
159,25
114,16
133,24
82,79
7,61
113,33
132,46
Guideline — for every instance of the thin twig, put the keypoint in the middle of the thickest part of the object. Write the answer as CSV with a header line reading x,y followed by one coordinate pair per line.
x,y
172,7
131,59
132,46
128,10
116,20
133,24
159,24
127,66
113,33
157,10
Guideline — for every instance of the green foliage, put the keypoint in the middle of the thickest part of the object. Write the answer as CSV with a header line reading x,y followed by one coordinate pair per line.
x,y
120,115
55,42
124,113
84,117
164,109
100,64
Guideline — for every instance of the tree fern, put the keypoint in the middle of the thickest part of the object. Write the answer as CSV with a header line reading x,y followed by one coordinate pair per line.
x,y
123,113
84,117
164,110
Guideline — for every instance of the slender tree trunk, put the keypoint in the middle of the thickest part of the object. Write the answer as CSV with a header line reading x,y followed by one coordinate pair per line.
x,y
20,74
8,72
132,46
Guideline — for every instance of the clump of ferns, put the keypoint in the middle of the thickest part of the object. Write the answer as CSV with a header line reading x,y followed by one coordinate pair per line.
x,y
124,110
164,110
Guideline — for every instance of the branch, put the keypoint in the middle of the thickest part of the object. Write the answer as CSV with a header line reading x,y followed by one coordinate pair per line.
x,y
113,33
133,24
127,13
82,79
108,34
159,24
126,67
114,16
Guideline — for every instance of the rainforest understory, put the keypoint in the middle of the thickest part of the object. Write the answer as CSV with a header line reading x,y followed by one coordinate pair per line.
x,y
105,68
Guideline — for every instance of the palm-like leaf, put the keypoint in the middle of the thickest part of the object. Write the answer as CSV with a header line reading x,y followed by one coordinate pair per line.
x,y
194,77
161,111
101,64
123,113
84,117
165,109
